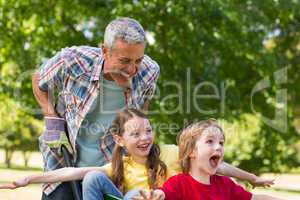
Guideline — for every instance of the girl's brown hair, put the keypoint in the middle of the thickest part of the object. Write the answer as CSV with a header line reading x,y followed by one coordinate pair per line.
x,y
154,165
188,138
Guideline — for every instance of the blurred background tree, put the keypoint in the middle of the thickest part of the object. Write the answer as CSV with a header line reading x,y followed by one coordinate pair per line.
x,y
18,130
227,46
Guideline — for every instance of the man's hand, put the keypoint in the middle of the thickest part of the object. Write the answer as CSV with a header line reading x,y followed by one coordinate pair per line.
x,y
152,195
42,97
55,135
261,182
16,184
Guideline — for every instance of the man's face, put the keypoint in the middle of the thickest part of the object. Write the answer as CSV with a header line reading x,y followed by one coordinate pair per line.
x,y
123,61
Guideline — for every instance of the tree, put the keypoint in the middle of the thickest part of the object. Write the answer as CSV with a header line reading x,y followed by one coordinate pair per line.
x,y
18,130
228,46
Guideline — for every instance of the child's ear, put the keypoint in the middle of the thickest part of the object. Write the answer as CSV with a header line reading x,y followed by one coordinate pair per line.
x,y
193,154
118,140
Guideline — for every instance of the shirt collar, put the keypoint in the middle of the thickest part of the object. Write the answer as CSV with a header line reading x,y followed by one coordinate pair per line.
x,y
98,68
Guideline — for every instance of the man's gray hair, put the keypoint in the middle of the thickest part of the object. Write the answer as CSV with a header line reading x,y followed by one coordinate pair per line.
x,y
126,29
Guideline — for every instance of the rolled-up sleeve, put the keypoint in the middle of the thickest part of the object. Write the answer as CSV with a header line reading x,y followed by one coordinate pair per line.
x,y
147,77
51,72
152,81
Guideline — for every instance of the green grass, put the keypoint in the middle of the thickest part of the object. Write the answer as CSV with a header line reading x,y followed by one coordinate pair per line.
x,y
286,190
20,168
295,171
279,193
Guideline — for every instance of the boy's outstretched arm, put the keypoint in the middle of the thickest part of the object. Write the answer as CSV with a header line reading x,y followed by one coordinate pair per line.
x,y
229,170
59,175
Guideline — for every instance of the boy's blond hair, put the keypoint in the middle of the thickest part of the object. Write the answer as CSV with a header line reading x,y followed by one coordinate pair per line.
x,y
187,140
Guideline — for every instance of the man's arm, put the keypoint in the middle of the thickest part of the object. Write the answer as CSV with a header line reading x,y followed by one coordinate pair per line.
x,y
229,170
54,135
42,97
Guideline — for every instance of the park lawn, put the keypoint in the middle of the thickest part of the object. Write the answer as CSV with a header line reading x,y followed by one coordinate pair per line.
x,y
31,192
283,194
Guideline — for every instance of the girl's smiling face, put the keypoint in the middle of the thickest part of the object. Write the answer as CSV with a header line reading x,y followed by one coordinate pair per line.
x,y
209,150
137,138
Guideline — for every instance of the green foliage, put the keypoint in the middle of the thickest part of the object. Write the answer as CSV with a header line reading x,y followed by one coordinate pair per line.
x,y
230,44
250,144
18,130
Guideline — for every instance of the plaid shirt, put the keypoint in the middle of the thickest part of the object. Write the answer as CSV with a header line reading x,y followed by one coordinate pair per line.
x,y
73,75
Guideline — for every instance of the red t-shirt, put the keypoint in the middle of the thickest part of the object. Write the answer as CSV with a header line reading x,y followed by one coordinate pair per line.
x,y
185,187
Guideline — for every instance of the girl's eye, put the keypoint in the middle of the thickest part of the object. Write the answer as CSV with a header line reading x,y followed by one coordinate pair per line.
x,y
222,143
209,141
135,134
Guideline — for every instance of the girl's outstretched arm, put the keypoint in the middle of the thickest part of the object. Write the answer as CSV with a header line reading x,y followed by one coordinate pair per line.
x,y
229,170
59,175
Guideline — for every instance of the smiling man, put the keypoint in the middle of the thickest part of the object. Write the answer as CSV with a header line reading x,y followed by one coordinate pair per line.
x,y
81,89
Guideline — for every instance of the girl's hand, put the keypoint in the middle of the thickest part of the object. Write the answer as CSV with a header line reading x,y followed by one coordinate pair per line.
x,y
152,195
16,184
262,182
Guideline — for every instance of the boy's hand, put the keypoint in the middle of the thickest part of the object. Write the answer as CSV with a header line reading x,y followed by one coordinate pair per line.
x,y
152,195
16,184
261,182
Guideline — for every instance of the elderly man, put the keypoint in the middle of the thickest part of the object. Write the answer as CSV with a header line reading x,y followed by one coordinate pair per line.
x,y
82,88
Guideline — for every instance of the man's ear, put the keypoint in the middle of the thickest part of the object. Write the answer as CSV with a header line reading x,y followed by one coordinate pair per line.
x,y
118,140
105,51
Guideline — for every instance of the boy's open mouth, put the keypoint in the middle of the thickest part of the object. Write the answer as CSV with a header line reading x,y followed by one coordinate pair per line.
x,y
214,160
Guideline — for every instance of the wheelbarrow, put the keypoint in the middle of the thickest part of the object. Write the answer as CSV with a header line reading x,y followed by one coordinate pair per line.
x,y
75,186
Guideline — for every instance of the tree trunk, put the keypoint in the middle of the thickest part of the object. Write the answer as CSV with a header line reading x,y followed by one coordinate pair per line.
x,y
8,156
26,156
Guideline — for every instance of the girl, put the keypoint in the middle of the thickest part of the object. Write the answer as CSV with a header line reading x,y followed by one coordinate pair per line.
x,y
136,163
201,151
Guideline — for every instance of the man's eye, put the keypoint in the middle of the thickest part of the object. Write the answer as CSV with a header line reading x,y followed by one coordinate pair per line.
x,y
125,61
138,61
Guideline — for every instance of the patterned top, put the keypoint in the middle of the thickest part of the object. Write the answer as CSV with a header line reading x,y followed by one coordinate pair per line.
x,y
73,75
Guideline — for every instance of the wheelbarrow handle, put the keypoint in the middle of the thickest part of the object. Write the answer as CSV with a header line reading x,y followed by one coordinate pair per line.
x,y
69,163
